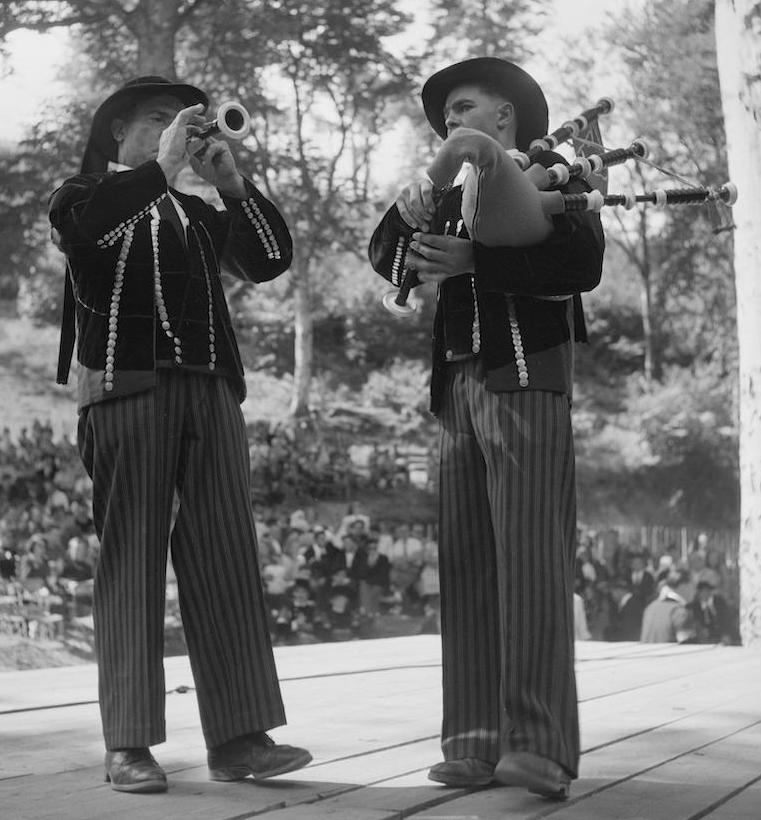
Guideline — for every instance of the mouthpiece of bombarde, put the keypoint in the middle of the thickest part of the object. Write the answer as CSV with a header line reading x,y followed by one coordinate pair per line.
x,y
232,121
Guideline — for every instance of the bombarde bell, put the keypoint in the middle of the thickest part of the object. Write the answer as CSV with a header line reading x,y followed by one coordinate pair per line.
x,y
232,121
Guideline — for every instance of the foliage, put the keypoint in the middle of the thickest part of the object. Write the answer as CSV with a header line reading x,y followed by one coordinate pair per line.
x,y
323,89
673,102
487,28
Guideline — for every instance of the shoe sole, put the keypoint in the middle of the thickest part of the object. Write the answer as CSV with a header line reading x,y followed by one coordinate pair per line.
x,y
455,783
227,774
144,787
527,779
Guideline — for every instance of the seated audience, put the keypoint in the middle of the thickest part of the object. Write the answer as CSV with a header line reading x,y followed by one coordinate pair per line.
x,y
372,571
640,579
624,613
667,619
711,615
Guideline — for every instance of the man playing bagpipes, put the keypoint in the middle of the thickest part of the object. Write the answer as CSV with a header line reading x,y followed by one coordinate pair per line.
x,y
508,314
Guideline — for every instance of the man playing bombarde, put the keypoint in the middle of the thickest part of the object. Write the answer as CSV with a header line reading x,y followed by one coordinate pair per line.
x,y
160,383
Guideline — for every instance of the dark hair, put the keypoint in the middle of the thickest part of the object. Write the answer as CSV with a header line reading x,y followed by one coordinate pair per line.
x,y
494,89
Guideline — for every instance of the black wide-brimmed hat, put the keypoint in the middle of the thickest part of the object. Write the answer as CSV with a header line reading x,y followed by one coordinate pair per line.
x,y
517,85
101,146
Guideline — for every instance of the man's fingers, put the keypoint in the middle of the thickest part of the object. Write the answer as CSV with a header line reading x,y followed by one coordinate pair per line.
x,y
187,114
412,219
421,263
434,240
428,252
426,192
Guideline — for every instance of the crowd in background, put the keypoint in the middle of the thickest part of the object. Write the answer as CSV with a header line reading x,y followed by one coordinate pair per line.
x,y
329,580
320,583
670,596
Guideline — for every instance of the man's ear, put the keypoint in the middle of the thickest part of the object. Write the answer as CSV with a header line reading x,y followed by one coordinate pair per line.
x,y
117,129
506,115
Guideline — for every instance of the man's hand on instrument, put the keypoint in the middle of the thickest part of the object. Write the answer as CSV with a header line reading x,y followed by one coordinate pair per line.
x,y
436,258
216,164
415,204
172,154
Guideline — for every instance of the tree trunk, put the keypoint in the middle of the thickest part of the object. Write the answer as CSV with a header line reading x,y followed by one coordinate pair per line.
x,y
303,337
738,41
155,26
646,304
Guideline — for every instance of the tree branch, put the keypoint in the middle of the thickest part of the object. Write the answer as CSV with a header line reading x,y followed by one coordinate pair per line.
x,y
183,15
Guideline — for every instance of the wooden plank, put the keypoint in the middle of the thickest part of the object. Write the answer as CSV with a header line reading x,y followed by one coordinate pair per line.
x,y
373,728
627,674
642,758
607,720
682,787
73,684
743,805
314,721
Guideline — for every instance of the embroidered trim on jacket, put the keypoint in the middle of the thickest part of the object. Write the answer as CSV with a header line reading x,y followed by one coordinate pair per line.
x,y
109,238
400,258
515,332
113,316
259,221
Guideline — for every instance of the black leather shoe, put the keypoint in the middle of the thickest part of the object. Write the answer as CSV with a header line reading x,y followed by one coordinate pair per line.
x,y
256,755
134,770
464,773
538,774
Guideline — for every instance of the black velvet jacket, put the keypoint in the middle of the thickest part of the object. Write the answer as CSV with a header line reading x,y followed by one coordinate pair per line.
x,y
508,285
107,224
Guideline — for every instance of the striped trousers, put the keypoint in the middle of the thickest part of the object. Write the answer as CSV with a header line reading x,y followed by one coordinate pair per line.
x,y
507,529
185,436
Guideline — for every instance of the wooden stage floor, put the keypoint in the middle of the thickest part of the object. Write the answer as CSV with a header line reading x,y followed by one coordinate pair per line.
x,y
668,732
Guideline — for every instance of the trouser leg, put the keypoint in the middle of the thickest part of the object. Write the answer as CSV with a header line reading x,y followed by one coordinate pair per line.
x,y
469,607
214,553
129,447
527,444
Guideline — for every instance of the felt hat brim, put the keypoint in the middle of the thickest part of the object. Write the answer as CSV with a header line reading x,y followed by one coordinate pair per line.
x,y
517,85
101,146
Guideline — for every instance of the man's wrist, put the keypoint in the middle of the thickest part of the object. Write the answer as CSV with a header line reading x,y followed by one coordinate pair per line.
x,y
170,169
234,189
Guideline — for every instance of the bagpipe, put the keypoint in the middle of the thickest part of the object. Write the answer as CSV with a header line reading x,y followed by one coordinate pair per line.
x,y
512,193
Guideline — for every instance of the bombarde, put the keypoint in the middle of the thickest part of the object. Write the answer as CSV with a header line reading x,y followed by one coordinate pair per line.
x,y
232,121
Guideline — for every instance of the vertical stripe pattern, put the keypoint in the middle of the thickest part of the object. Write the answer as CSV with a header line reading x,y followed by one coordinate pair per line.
x,y
507,539
186,435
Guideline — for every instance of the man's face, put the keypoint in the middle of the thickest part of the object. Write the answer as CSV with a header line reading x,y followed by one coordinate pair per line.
x,y
468,106
138,135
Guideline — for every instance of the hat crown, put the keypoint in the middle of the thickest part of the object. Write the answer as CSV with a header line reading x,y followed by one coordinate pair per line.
x,y
148,79
518,85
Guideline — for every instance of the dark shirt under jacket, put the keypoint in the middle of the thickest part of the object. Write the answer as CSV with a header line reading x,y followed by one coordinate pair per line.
x,y
105,223
505,295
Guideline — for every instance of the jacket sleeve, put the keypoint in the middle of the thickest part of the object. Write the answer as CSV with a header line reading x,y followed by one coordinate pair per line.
x,y
97,210
389,245
257,243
